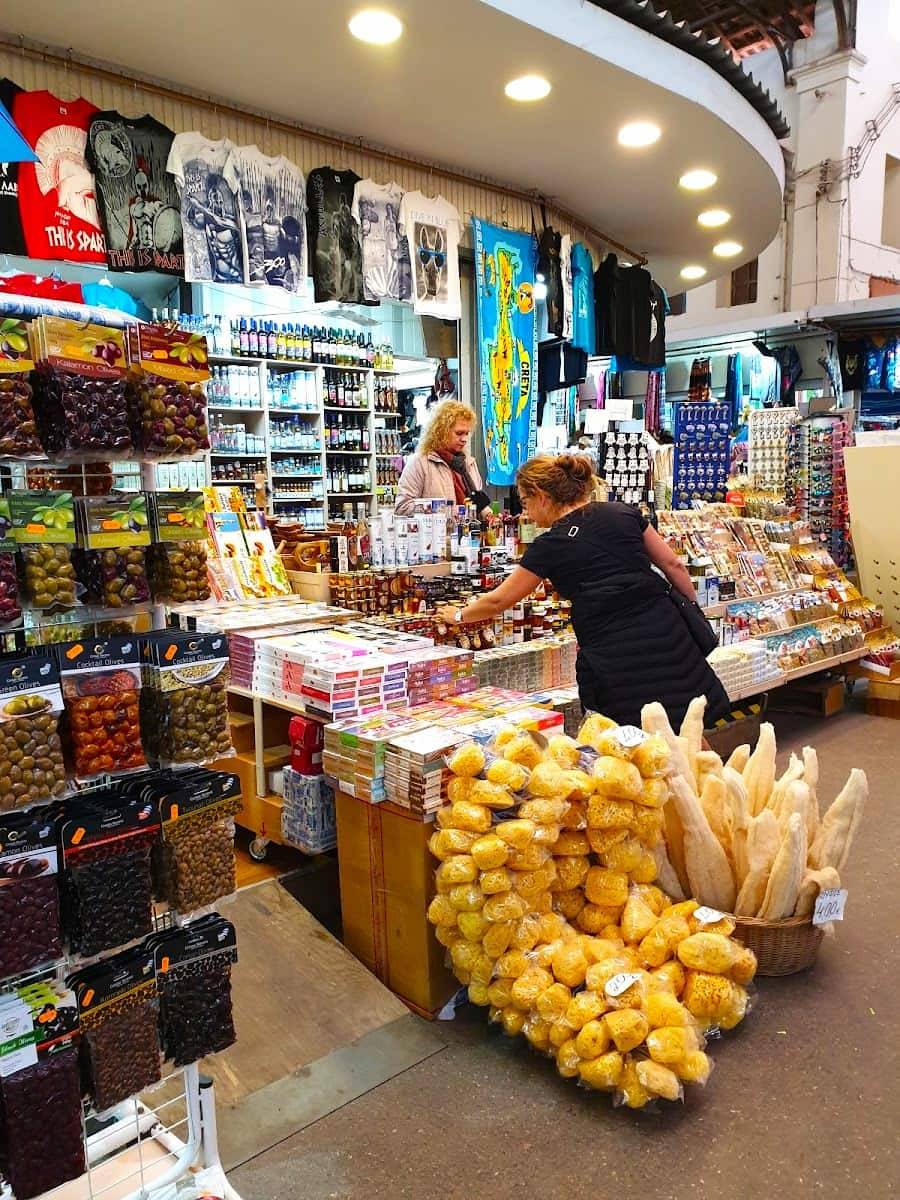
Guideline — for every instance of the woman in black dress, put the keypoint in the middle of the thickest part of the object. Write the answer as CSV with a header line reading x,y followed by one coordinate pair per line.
x,y
633,644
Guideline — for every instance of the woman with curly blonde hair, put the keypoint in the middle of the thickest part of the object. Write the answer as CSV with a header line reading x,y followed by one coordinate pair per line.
x,y
441,468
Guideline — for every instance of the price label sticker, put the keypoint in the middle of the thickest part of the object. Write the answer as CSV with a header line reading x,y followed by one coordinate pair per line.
x,y
707,916
620,983
830,906
629,736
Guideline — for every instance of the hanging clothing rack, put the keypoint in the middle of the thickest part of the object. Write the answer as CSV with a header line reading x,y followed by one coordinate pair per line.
x,y
280,125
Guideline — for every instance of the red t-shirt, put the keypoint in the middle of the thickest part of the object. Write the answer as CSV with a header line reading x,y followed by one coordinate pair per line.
x,y
56,194
42,285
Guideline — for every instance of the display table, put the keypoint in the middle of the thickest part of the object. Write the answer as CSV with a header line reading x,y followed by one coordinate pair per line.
x,y
387,882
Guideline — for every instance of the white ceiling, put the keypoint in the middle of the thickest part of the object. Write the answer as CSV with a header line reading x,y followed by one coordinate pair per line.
x,y
438,94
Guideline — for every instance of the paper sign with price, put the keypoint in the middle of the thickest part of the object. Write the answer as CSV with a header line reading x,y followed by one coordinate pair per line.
x,y
830,906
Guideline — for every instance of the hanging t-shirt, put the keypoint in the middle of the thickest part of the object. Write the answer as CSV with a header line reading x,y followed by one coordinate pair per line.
x,y
565,268
659,307
549,244
272,197
213,246
387,271
430,225
48,287
633,313
12,236
606,279
335,253
57,205
584,333
104,295
137,198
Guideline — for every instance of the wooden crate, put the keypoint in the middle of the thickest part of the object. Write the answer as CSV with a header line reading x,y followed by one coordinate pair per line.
x,y
883,698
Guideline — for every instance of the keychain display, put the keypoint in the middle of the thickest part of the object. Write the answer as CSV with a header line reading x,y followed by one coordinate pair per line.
x,y
702,461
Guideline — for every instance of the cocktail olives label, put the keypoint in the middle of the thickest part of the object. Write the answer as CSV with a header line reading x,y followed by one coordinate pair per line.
x,y
101,685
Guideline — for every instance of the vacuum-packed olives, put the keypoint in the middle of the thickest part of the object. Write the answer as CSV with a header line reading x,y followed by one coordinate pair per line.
x,y
113,578
18,431
31,757
49,576
170,416
178,572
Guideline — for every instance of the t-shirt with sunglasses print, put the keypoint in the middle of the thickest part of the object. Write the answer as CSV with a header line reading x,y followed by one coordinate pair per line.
x,y
430,225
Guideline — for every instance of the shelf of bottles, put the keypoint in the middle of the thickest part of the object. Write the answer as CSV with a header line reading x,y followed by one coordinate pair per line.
x,y
313,409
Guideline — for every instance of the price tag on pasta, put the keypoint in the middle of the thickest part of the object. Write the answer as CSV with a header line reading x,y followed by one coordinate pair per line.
x,y
707,916
629,736
620,983
830,906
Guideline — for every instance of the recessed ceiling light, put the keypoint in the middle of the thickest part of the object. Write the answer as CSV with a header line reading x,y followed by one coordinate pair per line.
x,y
698,180
727,249
376,26
528,87
639,133
714,217
693,272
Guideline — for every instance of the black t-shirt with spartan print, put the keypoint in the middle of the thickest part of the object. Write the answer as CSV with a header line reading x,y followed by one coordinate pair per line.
x,y
12,236
335,252
138,201
589,546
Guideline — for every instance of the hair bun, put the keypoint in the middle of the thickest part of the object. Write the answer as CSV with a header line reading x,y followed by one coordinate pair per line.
x,y
576,465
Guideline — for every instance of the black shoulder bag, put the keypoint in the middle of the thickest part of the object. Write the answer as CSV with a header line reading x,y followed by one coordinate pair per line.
x,y
702,633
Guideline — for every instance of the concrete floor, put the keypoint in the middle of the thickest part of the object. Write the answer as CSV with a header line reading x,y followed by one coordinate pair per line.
x,y
803,1100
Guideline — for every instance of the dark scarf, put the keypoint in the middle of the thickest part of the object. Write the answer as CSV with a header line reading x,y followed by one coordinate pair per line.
x,y
463,486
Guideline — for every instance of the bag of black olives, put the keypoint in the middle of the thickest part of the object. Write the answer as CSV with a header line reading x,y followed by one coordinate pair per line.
x,y
80,390
118,1010
193,971
30,933
18,431
41,1131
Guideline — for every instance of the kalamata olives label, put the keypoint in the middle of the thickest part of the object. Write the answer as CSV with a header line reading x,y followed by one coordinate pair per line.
x,y
88,349
170,353
27,847
15,345
179,516
114,521
42,517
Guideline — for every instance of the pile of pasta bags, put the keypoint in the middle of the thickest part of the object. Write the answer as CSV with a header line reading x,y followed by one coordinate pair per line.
x,y
548,904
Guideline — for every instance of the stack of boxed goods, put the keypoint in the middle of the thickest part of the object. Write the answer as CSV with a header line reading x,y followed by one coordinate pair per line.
x,y
230,617
436,672
415,776
530,666
307,817
354,753
744,666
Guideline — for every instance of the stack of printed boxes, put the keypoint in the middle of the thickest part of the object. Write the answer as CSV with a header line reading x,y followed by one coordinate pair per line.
x,y
355,751
415,774
439,672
